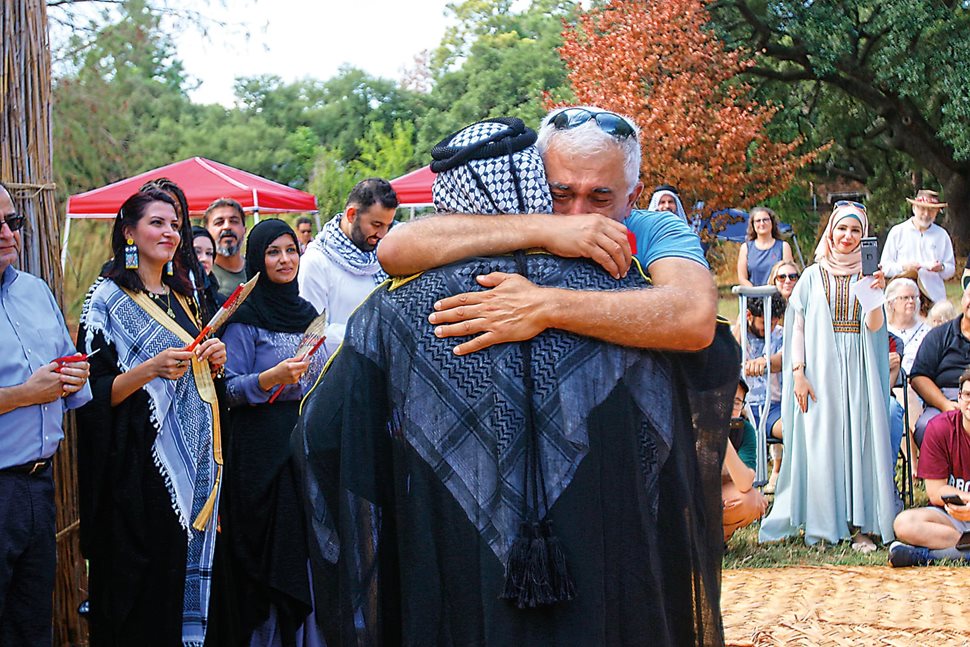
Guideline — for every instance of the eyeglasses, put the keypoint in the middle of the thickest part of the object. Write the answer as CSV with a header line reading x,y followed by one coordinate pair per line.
x,y
964,395
609,122
787,277
850,203
14,221
761,221
905,298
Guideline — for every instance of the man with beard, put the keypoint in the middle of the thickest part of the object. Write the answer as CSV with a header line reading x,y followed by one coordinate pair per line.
x,y
226,222
532,493
340,267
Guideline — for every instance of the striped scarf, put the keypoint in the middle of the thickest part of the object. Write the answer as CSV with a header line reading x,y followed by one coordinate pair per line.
x,y
335,244
184,414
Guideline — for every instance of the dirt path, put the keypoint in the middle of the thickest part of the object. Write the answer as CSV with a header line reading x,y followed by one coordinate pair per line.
x,y
846,605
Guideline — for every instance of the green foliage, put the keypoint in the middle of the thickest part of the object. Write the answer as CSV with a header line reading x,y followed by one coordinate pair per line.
x,y
384,154
125,85
493,63
331,181
888,83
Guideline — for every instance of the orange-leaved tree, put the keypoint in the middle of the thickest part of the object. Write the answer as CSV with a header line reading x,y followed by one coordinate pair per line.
x,y
658,62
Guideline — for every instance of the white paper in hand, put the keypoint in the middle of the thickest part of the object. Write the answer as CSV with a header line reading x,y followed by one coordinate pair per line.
x,y
869,298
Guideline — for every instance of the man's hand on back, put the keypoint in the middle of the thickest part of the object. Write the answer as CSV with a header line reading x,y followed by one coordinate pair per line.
x,y
510,311
592,236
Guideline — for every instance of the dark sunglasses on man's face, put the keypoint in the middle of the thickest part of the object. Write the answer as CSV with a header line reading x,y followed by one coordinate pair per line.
x,y
14,221
609,122
850,203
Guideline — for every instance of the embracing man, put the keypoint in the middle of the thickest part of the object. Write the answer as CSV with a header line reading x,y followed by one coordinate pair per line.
x,y
541,492
592,161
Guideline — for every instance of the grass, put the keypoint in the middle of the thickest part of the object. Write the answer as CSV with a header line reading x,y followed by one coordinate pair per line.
x,y
744,551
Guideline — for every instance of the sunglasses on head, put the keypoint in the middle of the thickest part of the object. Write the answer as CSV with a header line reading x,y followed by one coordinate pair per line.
x,y
609,122
850,203
14,221
791,277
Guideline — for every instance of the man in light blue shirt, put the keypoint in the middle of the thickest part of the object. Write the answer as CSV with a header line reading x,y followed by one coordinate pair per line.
x,y
592,162
35,392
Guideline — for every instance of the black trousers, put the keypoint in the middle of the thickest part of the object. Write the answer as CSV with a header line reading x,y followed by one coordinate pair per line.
x,y
27,558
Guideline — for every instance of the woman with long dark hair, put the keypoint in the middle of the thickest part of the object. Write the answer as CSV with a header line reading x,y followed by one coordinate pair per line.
x,y
762,248
195,270
149,442
263,537
205,251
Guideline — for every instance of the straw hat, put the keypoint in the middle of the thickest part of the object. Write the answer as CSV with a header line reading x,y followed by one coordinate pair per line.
x,y
927,198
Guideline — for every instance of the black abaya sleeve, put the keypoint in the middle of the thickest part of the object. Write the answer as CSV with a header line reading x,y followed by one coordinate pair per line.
x,y
95,423
342,444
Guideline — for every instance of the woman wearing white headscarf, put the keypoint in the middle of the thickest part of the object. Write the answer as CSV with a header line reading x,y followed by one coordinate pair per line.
x,y
836,481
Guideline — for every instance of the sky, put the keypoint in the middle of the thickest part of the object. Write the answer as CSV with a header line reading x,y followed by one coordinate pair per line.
x,y
297,39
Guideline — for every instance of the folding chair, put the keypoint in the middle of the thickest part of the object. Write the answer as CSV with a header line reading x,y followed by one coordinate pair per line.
x,y
905,452
765,292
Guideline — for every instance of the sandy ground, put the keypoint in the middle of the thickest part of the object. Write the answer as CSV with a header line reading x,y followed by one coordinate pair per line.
x,y
846,605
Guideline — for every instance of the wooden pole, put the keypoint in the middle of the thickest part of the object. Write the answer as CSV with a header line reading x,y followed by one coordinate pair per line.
x,y
26,170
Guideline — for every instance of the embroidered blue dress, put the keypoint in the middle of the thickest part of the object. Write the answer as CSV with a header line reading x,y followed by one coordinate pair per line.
x,y
836,473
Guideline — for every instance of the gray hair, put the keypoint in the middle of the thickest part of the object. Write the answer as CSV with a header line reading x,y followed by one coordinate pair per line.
x,y
896,285
588,139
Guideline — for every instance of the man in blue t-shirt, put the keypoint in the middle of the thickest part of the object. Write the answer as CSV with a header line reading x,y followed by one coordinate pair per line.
x,y
592,161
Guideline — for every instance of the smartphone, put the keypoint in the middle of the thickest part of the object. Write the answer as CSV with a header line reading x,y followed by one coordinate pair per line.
x,y
952,499
870,256
963,543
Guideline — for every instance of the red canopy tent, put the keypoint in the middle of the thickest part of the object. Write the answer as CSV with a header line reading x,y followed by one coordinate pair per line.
x,y
414,189
203,181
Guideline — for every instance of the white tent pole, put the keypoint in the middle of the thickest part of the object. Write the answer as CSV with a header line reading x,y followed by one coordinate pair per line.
x,y
67,238
255,207
316,218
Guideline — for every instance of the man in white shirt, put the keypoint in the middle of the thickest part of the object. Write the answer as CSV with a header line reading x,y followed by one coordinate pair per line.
x,y
920,249
340,268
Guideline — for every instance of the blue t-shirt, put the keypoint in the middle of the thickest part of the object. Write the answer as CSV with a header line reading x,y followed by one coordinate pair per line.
x,y
662,234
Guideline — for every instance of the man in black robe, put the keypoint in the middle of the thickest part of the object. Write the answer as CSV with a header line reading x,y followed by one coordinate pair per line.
x,y
543,492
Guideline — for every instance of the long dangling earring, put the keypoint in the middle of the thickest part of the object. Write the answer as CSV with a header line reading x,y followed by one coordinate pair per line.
x,y
169,268
131,255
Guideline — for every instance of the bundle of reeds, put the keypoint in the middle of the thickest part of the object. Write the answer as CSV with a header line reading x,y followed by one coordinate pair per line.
x,y
26,170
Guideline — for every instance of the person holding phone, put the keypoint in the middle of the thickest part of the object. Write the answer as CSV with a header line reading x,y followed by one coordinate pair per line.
x,y
836,481
941,530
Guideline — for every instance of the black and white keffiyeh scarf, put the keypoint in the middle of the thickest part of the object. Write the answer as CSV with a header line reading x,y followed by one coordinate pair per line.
x,y
490,167
335,244
184,413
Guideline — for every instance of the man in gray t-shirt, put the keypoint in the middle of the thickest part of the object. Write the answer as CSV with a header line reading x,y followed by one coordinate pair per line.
x,y
226,223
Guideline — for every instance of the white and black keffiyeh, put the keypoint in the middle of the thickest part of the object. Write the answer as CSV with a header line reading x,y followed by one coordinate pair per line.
x,y
335,244
490,167
183,449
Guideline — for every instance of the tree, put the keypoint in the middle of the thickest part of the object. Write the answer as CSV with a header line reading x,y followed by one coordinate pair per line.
x,y
657,62
901,66
384,154
495,62
121,86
